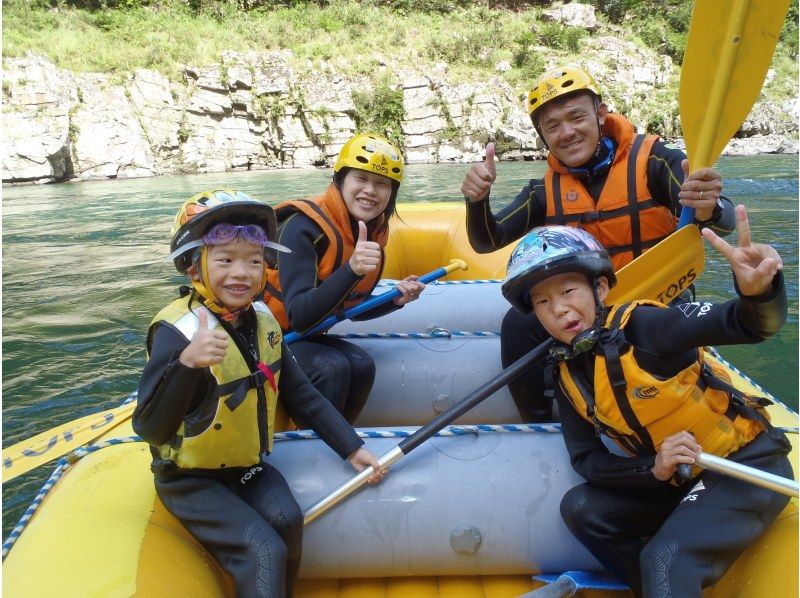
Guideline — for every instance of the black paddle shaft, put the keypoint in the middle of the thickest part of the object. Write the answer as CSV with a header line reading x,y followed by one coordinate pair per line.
x,y
475,397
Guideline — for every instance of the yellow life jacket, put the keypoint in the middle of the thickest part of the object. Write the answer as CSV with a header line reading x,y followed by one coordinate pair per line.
x,y
234,427
626,219
330,213
639,410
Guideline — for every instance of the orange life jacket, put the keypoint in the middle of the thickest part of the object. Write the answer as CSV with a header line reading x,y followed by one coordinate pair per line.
x,y
625,219
639,410
330,213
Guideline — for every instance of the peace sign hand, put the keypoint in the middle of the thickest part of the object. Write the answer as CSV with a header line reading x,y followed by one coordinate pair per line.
x,y
754,264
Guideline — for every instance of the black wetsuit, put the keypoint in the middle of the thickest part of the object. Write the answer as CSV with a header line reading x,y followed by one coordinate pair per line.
x,y
246,517
487,232
662,539
341,371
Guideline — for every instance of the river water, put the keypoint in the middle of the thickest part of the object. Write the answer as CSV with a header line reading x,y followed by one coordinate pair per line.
x,y
84,273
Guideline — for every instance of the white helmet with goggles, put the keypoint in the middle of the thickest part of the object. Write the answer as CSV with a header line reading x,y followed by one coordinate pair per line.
x,y
550,250
208,212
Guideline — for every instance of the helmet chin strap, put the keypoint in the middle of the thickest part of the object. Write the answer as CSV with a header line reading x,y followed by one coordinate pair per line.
x,y
603,153
603,157
209,298
586,340
599,308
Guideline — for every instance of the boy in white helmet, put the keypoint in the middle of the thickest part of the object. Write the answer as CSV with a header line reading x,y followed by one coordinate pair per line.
x,y
217,365
637,374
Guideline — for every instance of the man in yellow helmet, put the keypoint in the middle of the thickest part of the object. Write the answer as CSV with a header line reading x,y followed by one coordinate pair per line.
x,y
626,189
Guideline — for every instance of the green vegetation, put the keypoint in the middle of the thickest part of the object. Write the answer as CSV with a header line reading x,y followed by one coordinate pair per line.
x,y
117,36
381,110
471,36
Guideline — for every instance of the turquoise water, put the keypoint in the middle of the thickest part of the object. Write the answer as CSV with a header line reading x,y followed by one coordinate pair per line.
x,y
84,272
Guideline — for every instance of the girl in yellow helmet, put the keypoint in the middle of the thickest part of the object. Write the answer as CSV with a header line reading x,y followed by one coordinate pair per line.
x,y
337,257
209,392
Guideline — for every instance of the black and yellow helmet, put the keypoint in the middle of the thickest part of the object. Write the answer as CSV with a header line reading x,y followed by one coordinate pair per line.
x,y
372,153
559,82
202,211
549,250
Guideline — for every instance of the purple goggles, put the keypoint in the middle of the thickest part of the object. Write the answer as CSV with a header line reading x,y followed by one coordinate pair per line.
x,y
223,232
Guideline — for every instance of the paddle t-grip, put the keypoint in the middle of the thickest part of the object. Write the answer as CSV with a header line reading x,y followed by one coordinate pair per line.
x,y
683,473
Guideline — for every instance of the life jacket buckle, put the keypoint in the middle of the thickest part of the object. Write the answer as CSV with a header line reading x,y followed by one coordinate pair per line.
x,y
590,217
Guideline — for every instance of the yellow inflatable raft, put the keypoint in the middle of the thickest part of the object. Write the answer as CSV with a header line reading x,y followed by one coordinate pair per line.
x,y
100,530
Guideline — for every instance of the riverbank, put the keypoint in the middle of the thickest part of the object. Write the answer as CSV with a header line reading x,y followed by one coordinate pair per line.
x,y
438,92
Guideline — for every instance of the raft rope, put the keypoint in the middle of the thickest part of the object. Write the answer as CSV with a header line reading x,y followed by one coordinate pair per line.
x,y
433,333
759,388
65,462
387,282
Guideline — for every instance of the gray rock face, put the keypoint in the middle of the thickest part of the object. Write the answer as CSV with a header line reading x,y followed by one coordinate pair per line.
x,y
255,111
574,14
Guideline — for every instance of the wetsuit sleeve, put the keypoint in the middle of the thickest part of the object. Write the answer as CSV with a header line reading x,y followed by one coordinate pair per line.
x,y
592,459
300,397
489,232
685,327
308,303
168,389
664,180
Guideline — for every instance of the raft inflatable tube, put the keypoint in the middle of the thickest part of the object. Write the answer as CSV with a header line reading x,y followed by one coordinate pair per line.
x,y
472,513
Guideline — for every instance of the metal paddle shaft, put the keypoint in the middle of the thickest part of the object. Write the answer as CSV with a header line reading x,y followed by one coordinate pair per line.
x,y
476,396
429,430
374,302
749,474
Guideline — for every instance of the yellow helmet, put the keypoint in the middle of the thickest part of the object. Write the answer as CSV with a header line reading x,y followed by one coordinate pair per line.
x,y
558,82
372,153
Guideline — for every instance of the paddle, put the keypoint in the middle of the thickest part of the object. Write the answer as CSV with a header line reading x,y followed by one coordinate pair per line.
x,y
730,47
42,448
749,474
728,52
369,304
679,258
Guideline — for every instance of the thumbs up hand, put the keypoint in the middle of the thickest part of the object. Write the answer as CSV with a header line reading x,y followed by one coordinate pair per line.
x,y
480,177
366,255
208,347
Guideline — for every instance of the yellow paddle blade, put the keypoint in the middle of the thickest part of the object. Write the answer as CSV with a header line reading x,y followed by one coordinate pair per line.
x,y
664,271
28,454
730,48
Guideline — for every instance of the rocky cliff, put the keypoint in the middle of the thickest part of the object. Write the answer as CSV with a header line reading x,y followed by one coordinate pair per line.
x,y
255,111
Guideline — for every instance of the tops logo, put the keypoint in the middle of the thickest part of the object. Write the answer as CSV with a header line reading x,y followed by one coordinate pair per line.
x,y
645,392
549,92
